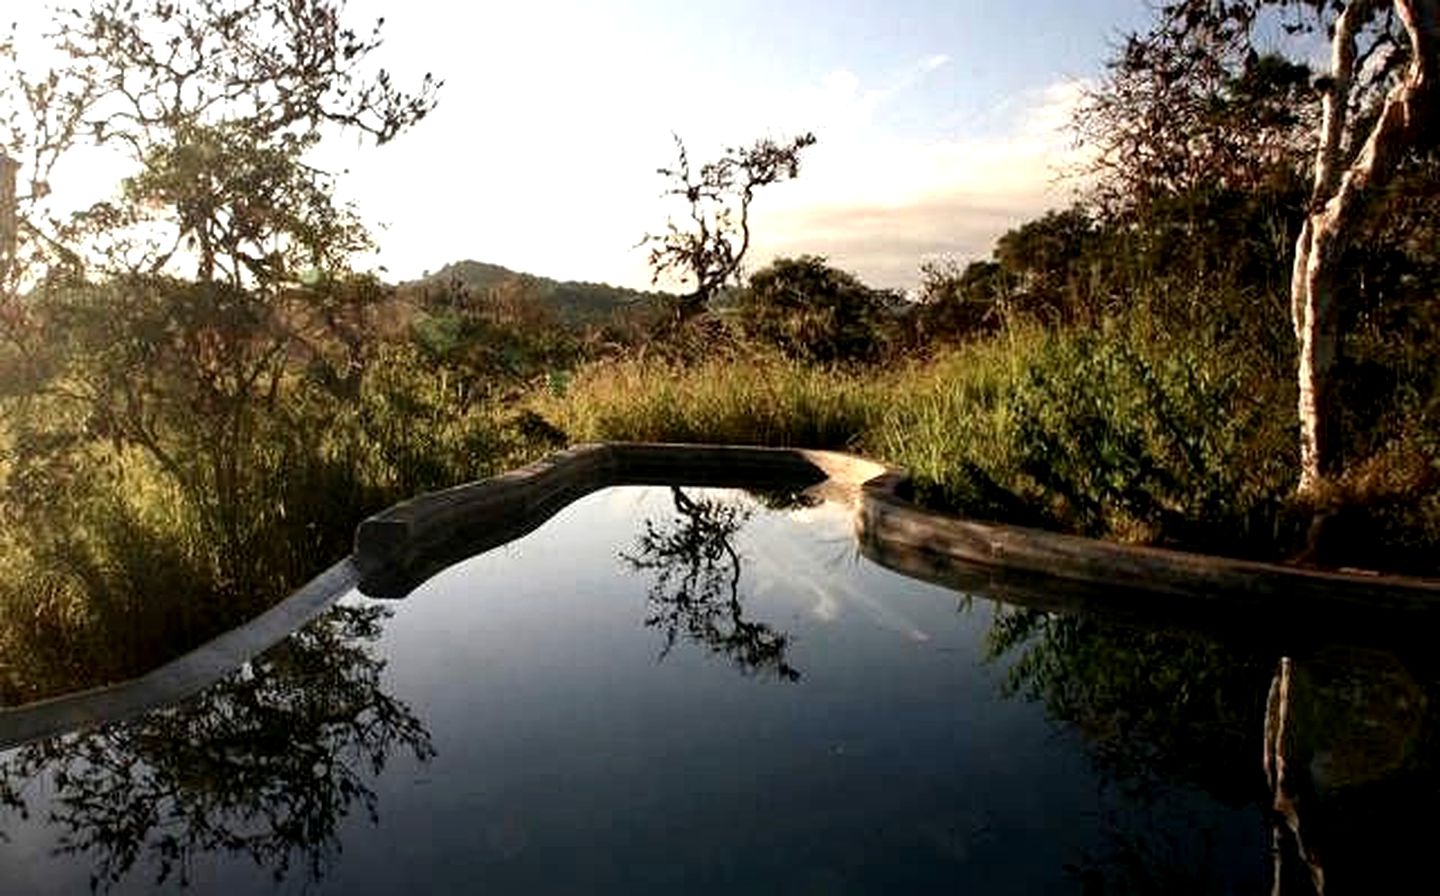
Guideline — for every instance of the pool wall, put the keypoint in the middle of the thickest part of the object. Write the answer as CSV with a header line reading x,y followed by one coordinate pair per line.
x,y
182,677
398,548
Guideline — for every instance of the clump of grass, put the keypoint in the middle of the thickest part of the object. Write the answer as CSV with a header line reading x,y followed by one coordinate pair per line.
x,y
754,399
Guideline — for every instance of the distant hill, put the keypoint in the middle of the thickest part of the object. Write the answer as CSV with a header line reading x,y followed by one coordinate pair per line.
x,y
574,303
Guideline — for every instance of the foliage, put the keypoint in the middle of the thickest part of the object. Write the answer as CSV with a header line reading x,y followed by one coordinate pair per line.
x,y
181,432
1194,109
108,563
1191,101
499,339
956,303
710,248
1207,258
1107,434
1124,433
218,104
811,311
756,398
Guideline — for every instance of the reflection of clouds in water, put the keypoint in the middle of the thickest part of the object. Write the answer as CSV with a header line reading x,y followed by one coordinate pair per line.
x,y
788,566
827,608
827,513
631,502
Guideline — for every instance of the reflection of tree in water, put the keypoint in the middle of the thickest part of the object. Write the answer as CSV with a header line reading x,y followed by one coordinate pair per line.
x,y
1350,748
1153,705
1165,716
1162,711
696,592
265,765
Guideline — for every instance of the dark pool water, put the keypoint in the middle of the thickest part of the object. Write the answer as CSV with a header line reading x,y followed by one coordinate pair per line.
x,y
708,692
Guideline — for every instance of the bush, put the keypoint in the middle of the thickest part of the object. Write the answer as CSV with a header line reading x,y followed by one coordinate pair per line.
x,y
811,311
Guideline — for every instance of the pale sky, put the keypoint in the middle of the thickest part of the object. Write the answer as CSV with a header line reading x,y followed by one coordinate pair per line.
x,y
940,125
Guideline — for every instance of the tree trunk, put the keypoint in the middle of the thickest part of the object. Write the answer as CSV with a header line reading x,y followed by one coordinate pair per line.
x,y
9,227
1336,202
1317,329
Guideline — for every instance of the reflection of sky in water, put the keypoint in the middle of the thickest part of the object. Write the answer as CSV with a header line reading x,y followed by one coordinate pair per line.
x,y
822,563
571,758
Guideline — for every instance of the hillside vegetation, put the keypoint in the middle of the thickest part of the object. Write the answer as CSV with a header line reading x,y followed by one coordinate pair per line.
x,y
572,304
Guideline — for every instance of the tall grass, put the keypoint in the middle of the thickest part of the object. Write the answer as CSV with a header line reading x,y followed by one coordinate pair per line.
x,y
752,399
1103,433
110,565
1115,432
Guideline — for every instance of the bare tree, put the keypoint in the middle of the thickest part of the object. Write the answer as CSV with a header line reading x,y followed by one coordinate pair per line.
x,y
710,247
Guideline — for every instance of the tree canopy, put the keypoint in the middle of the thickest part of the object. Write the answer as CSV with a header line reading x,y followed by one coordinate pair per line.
x,y
815,312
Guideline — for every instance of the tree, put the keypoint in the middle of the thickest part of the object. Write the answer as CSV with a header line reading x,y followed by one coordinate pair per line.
x,y
815,312
711,247
1193,99
218,104
1363,138
1198,109
177,314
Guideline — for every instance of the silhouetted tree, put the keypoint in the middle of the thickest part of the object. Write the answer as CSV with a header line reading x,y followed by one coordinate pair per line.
x,y
710,247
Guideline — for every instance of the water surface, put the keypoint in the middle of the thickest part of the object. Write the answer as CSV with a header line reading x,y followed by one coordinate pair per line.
x,y
665,689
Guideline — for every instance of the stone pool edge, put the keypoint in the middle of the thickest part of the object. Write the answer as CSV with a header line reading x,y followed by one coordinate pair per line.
x,y
183,677
402,546
887,523
891,530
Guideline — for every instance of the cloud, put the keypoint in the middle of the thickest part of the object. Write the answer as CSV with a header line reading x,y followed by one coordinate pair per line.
x,y
931,63
885,245
567,186
880,205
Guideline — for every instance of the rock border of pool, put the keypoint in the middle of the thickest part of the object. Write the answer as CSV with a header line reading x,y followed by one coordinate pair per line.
x,y
428,532
397,549
182,677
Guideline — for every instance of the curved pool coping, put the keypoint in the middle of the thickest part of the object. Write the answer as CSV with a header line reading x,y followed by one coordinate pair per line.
x,y
397,549
182,677
425,532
